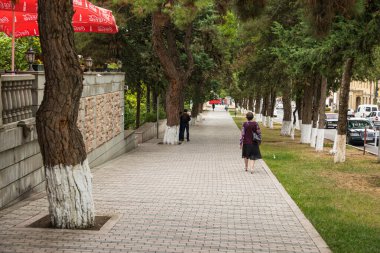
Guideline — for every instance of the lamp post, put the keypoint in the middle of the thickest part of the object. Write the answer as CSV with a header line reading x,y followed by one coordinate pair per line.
x,y
30,57
88,63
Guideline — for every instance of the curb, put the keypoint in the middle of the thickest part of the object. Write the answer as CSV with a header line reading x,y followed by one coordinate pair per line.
x,y
312,232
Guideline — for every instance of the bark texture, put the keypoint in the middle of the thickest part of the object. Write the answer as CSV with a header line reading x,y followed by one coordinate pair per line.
x,y
316,96
307,104
250,103
322,115
257,103
61,142
343,106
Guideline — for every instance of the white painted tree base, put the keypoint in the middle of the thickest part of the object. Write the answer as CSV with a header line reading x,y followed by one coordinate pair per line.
x,y
292,131
320,140
69,193
199,117
333,150
258,117
286,128
340,155
171,135
300,124
270,122
305,133
313,137
264,121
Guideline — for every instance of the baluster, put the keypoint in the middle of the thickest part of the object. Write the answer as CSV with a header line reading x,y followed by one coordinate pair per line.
x,y
22,100
14,102
8,93
18,86
28,99
4,101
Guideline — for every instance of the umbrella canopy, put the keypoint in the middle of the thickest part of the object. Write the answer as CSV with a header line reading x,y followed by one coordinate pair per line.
x,y
87,18
214,101
20,19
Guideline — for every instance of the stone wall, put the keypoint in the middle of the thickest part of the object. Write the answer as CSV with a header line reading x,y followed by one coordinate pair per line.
x,y
100,120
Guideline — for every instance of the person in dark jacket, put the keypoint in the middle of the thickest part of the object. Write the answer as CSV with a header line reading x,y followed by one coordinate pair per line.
x,y
250,141
184,125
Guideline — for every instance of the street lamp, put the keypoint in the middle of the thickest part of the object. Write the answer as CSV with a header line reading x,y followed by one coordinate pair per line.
x,y
88,63
30,57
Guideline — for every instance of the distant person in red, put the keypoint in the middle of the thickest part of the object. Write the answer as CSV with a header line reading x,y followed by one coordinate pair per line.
x,y
213,107
184,125
250,141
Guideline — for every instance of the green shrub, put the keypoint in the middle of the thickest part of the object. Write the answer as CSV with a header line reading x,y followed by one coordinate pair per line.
x,y
152,116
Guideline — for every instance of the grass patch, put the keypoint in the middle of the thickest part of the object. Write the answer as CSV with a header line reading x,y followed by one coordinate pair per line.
x,y
342,201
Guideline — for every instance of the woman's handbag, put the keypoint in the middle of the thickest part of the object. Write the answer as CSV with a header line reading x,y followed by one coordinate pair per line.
x,y
256,137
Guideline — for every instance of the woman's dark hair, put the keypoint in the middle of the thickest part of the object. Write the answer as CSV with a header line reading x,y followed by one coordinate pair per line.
x,y
249,115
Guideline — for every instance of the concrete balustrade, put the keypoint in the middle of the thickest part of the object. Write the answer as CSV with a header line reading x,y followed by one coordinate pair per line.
x,y
16,95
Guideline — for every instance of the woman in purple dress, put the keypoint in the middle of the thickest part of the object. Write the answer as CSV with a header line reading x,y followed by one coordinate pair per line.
x,y
249,145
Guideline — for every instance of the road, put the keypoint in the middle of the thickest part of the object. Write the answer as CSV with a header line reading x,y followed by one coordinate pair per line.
x,y
330,135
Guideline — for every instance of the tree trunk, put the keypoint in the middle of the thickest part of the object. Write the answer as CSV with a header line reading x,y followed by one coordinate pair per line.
x,y
322,115
257,106
299,108
250,103
138,105
167,52
340,155
307,114
316,96
148,99
172,112
287,105
264,110
68,176
272,107
197,98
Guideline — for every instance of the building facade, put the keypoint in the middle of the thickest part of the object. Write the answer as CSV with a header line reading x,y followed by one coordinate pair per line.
x,y
363,93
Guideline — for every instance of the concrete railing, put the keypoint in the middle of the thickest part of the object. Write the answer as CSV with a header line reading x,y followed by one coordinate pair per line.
x,y
149,131
16,98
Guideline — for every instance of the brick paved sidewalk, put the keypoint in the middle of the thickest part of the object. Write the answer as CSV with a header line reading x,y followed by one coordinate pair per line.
x,y
193,197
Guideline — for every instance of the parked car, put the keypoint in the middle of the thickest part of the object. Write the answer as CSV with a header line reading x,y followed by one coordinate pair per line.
x,y
374,117
356,128
364,110
331,120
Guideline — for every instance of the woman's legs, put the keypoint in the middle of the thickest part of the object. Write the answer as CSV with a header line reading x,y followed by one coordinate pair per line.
x,y
246,164
252,163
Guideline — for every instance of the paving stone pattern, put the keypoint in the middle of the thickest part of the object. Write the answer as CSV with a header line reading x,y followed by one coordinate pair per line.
x,y
193,197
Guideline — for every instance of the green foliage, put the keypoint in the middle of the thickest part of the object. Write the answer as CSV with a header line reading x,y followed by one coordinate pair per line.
x,y
21,46
131,105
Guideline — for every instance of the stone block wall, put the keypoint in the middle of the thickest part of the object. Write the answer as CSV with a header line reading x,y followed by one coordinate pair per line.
x,y
100,120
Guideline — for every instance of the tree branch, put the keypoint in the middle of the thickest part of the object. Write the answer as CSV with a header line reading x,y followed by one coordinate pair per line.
x,y
159,22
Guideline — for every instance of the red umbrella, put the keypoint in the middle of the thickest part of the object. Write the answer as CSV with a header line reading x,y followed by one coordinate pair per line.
x,y
214,101
20,20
